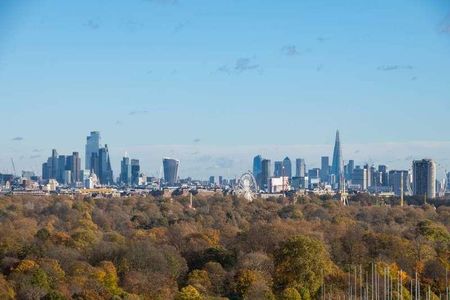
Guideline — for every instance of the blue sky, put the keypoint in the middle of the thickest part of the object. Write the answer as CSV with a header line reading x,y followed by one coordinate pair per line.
x,y
214,81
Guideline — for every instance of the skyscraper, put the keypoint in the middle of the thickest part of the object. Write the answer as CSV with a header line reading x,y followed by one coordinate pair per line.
x,y
61,168
95,164
135,171
257,168
325,169
300,167
371,174
384,175
170,167
74,166
424,178
337,167
125,171
92,146
360,177
447,190
76,169
104,165
278,169
45,171
287,168
54,165
265,173
50,168
350,168
396,180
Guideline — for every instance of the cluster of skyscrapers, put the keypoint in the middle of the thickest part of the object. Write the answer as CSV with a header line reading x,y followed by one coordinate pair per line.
x,y
66,170
283,172
339,176
279,176
129,171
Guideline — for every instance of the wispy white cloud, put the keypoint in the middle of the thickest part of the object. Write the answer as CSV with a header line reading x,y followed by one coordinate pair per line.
x,y
290,50
138,112
241,65
92,24
394,67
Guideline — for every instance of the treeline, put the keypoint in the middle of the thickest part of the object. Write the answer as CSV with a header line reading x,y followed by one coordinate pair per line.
x,y
220,248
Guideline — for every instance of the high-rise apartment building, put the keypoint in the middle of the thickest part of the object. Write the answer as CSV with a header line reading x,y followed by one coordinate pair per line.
x,y
424,178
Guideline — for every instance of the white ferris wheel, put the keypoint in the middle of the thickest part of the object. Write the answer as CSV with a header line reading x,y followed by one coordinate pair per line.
x,y
247,186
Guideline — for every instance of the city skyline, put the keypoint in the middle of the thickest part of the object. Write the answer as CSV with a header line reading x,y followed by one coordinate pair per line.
x,y
204,164
214,82
225,149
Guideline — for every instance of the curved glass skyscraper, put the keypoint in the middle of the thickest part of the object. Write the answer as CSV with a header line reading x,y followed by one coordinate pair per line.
x,y
170,166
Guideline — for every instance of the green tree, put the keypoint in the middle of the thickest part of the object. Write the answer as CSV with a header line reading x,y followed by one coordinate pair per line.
x,y
304,292
301,262
200,280
290,294
188,293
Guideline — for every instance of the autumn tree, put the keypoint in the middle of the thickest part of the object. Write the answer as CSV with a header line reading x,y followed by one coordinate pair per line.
x,y
301,262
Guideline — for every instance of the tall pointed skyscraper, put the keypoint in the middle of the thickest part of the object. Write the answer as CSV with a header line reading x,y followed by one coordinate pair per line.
x,y
337,168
